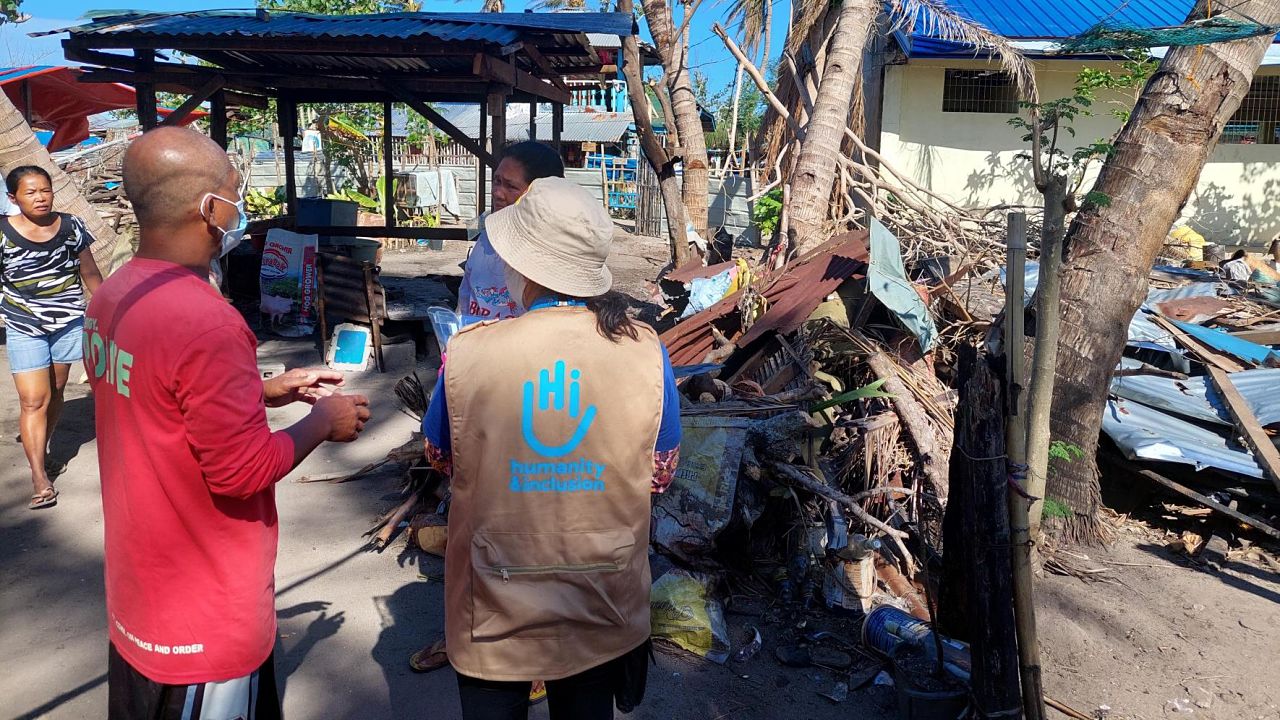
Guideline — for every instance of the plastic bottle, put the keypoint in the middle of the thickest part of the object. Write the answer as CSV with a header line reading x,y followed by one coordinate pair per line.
x,y
859,546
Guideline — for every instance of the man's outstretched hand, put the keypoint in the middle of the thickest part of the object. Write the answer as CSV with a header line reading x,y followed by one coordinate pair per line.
x,y
344,416
298,384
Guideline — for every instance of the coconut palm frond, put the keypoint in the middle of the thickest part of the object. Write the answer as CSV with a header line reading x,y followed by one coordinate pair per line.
x,y
495,6
812,12
751,15
935,19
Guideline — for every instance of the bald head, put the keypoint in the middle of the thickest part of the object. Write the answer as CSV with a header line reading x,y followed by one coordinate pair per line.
x,y
168,170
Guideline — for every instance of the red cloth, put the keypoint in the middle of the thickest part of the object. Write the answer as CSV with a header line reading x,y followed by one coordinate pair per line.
x,y
188,471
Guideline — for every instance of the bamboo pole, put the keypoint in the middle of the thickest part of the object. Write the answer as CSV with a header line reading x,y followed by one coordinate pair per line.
x,y
1019,502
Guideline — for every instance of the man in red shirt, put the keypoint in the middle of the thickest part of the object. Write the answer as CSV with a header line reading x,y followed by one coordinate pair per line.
x,y
188,462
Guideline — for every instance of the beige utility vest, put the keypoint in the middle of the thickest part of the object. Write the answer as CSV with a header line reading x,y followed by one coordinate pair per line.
x,y
553,430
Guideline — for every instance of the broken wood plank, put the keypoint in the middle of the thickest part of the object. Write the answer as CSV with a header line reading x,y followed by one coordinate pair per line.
x,y
1264,451
1262,337
1206,354
1206,501
915,419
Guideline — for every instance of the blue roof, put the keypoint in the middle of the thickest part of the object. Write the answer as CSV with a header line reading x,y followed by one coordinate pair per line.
x,y
1057,19
1048,20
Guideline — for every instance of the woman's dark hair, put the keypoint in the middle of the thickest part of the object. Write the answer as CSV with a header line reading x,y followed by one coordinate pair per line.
x,y
612,320
538,160
16,175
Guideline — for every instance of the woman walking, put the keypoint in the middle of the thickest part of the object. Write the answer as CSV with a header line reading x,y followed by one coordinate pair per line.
x,y
553,456
45,270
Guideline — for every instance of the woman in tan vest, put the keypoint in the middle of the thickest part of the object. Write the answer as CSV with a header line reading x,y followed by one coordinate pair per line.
x,y
555,427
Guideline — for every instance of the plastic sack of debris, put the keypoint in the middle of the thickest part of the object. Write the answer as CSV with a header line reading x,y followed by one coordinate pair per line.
x,y
698,505
287,282
684,611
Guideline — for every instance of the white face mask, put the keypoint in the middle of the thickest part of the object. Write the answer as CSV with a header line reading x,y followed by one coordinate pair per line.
x,y
516,284
230,238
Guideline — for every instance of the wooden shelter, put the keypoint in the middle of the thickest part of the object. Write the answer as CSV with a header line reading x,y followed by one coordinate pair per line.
x,y
491,59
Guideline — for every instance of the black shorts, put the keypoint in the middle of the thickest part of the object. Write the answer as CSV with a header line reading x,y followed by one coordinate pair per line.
x,y
132,696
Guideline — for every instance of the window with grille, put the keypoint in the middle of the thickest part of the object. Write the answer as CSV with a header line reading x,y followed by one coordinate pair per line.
x,y
979,91
1257,122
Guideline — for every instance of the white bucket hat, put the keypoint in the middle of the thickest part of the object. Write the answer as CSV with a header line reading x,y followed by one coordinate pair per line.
x,y
556,235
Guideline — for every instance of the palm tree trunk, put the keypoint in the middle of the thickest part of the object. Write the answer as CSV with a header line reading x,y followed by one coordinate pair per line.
x,y
733,117
684,106
19,146
657,157
1112,243
815,168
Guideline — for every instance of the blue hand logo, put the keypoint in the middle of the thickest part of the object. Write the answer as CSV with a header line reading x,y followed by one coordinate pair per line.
x,y
553,391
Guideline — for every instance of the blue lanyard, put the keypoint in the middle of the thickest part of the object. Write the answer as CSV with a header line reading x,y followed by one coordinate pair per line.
x,y
557,303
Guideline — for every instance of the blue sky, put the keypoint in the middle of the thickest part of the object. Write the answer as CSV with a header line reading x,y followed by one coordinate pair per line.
x,y
707,53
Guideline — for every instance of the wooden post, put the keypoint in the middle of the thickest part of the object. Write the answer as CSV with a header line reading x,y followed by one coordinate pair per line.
x,y
1016,441
145,93
287,120
533,121
388,173
498,110
26,101
482,190
557,125
977,602
218,118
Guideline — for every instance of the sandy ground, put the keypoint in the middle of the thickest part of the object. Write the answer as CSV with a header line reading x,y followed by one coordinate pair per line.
x,y
349,618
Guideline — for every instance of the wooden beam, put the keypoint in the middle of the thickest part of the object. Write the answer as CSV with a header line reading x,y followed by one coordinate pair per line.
x,y
498,110
408,98
401,231
1262,337
218,118
533,121
287,120
541,62
267,83
1264,451
26,101
205,92
145,93
557,125
1207,355
1206,501
482,190
495,70
388,170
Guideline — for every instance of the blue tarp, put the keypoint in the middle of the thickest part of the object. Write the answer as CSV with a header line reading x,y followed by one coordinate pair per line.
x,y
1219,340
887,280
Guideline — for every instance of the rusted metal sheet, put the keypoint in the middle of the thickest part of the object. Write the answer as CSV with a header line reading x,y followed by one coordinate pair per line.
x,y
792,297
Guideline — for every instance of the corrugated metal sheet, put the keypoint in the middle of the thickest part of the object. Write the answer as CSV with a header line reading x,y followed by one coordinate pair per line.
x,y
1143,433
497,28
578,126
1193,398
1050,19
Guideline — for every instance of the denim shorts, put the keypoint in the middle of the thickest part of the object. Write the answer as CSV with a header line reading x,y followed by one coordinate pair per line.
x,y
27,352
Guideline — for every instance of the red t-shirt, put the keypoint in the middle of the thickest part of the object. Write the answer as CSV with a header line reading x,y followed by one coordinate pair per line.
x,y
188,471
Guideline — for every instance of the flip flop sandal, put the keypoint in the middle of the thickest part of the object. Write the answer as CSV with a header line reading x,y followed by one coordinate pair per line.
x,y
432,657
802,657
537,693
48,498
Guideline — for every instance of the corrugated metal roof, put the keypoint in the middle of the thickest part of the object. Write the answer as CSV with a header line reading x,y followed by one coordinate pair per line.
x,y
494,28
1054,19
578,126
1193,398
1148,434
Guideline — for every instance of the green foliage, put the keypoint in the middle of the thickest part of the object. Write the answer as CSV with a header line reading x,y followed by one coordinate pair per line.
x,y
11,12
259,204
767,212
1057,509
341,7
1100,199
1051,120
867,391
1065,451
